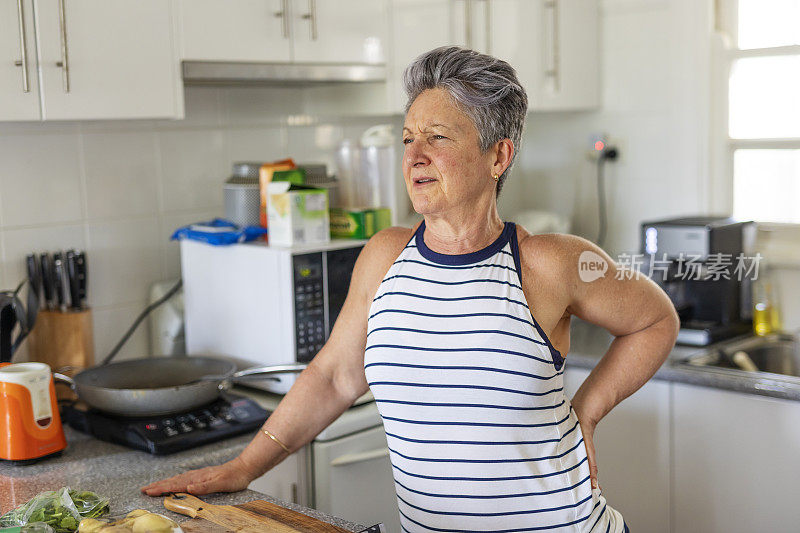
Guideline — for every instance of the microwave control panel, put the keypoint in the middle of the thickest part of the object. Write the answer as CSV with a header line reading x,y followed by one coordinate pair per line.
x,y
309,305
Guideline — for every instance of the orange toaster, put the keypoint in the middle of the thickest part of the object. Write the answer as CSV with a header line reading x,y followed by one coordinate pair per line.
x,y
30,427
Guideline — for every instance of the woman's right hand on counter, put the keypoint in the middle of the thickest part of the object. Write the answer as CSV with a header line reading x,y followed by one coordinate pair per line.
x,y
232,476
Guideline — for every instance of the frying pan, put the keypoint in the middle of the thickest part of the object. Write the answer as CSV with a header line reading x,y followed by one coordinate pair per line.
x,y
162,385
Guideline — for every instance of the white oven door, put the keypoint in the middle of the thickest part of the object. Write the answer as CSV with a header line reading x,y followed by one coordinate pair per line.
x,y
353,479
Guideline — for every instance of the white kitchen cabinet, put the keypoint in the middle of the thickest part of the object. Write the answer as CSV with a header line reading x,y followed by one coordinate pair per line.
x,y
633,454
353,479
19,91
235,30
93,59
554,46
107,59
736,461
340,31
283,31
283,481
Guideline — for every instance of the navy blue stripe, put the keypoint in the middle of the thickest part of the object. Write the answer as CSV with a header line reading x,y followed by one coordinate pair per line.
x,y
451,386
488,443
415,278
516,530
495,496
608,527
492,350
439,299
464,332
510,478
450,267
438,367
603,510
484,461
506,513
482,405
484,424
465,315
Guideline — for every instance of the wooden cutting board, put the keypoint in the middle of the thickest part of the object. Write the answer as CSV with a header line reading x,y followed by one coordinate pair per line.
x,y
256,516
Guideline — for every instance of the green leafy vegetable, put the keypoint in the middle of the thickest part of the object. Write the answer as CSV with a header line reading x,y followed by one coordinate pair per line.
x,y
62,509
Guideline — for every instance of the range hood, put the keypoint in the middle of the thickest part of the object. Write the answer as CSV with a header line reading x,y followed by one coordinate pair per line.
x,y
242,73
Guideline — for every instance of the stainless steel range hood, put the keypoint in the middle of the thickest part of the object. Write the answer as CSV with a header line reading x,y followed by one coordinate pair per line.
x,y
240,73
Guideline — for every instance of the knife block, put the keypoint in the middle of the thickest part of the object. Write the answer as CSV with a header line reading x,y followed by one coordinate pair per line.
x,y
62,339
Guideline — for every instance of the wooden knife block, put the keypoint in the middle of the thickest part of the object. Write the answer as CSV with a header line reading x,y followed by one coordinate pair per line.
x,y
62,339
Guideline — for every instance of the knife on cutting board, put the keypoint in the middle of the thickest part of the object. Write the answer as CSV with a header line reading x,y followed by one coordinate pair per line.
x,y
255,516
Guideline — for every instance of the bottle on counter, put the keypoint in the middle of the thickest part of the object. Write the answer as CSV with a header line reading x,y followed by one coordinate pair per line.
x,y
766,312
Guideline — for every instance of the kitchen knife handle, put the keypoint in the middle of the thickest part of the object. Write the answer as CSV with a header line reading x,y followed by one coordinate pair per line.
x,y
47,280
74,282
34,273
60,281
80,267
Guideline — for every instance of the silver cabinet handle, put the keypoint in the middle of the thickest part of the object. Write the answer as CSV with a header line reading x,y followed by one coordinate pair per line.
x,y
312,16
23,49
64,63
284,14
352,458
553,70
468,22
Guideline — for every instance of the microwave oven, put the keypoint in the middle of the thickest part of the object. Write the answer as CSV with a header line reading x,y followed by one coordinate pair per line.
x,y
262,305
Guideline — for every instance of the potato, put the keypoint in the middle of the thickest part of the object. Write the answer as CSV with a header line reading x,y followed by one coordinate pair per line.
x,y
91,525
136,513
153,523
114,529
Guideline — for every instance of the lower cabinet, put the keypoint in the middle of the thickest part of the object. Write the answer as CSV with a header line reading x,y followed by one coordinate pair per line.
x,y
632,447
284,481
353,479
737,462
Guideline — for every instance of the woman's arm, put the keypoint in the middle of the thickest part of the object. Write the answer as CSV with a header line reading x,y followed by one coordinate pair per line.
x,y
632,308
322,392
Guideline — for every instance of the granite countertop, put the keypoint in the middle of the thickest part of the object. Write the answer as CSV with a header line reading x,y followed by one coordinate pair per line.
x,y
588,343
117,472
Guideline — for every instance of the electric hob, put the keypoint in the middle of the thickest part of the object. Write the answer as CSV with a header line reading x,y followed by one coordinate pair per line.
x,y
225,417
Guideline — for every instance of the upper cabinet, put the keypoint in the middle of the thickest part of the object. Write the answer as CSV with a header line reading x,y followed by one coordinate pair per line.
x,y
302,31
106,59
340,31
552,44
235,30
93,59
19,90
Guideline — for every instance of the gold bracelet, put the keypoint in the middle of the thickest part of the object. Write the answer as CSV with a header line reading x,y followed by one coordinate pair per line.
x,y
273,437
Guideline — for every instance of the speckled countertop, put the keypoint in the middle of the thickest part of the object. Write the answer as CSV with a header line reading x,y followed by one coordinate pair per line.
x,y
588,343
117,473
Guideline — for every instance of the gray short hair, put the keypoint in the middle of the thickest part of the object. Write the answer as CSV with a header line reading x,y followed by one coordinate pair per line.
x,y
484,87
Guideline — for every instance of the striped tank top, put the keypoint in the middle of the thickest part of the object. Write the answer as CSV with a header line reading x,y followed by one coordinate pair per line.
x,y
480,433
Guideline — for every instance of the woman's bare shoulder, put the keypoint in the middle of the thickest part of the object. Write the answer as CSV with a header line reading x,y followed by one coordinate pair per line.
x,y
552,253
381,251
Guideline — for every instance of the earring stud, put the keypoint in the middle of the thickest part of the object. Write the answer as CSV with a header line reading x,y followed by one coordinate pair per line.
x,y
496,177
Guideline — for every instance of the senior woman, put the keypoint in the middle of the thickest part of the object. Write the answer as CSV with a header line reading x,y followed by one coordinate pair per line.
x,y
459,327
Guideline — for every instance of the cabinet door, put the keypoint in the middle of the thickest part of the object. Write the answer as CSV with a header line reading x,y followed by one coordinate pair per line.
x,y
417,27
17,35
120,60
568,76
633,454
736,462
516,37
234,30
340,31
353,479
282,482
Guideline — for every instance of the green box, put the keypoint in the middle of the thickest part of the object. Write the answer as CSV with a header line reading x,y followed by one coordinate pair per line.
x,y
358,223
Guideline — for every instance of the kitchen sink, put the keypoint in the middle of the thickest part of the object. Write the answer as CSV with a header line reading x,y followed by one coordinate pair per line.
x,y
776,354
